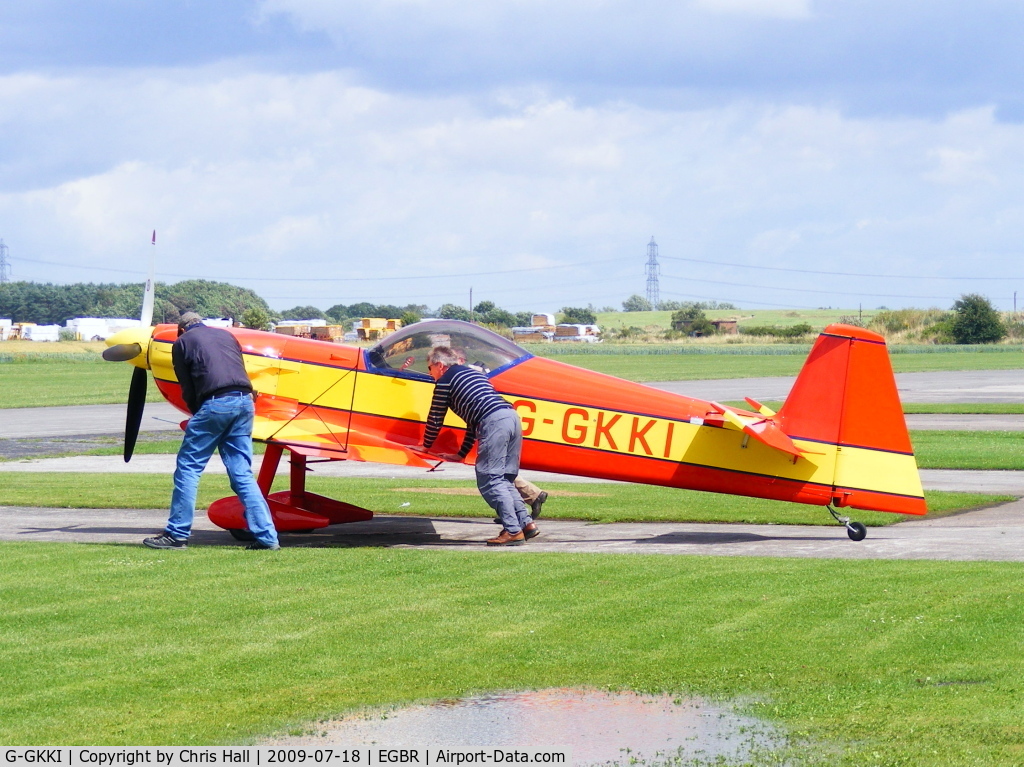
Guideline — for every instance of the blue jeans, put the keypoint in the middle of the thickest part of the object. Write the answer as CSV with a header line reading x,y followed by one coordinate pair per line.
x,y
500,441
224,423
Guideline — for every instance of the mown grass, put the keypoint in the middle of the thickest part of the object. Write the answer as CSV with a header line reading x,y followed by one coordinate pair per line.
x,y
84,378
693,367
865,662
925,408
150,443
74,380
596,501
60,348
816,318
969,449
968,408
934,449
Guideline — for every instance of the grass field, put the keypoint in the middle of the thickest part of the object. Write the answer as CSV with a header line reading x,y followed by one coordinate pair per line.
x,y
60,348
969,449
984,408
691,367
84,379
1003,450
863,662
79,379
926,408
816,318
597,501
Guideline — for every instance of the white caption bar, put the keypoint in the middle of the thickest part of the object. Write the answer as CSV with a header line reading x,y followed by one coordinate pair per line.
x,y
253,756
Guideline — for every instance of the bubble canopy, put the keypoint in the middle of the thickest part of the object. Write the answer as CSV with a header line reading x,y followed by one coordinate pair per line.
x,y
405,352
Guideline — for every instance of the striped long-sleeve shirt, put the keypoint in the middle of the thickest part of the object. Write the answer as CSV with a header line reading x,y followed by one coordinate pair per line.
x,y
469,395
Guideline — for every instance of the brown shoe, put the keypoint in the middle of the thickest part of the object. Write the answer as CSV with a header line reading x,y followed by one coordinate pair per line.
x,y
530,531
507,539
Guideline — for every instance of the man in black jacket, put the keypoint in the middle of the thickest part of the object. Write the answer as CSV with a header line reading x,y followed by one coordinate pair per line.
x,y
216,389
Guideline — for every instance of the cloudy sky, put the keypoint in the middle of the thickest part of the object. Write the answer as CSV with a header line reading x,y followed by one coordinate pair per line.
x,y
782,153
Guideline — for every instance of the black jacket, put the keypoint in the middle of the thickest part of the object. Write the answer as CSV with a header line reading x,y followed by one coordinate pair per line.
x,y
208,362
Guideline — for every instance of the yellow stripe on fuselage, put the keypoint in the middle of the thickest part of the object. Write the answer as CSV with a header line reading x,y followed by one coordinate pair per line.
x,y
878,470
667,439
603,430
619,432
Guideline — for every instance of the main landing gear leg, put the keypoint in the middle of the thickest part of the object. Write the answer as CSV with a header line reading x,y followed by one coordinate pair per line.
x,y
855,530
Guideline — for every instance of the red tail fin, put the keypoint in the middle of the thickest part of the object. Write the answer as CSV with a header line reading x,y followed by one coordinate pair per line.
x,y
846,396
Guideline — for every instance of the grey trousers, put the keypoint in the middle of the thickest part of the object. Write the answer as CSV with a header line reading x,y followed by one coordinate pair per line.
x,y
499,442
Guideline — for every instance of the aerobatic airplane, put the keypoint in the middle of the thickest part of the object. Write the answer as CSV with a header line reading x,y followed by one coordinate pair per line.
x,y
839,441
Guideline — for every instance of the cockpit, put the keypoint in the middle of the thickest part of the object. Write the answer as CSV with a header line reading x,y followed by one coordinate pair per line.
x,y
405,352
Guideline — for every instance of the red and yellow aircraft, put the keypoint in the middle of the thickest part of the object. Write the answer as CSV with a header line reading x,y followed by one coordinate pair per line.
x,y
839,441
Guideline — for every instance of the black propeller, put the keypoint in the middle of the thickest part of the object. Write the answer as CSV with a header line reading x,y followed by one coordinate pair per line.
x,y
136,404
122,352
128,352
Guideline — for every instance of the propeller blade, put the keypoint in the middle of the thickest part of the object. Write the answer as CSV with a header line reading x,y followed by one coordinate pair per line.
x,y
149,293
148,297
136,404
122,352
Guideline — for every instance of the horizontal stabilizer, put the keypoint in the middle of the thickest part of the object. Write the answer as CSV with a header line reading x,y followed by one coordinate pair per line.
x,y
764,430
767,412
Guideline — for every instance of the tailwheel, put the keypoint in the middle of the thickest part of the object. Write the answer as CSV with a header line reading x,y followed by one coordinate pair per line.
x,y
855,530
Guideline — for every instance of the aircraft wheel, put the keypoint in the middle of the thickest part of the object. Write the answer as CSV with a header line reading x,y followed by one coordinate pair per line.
x,y
242,535
856,531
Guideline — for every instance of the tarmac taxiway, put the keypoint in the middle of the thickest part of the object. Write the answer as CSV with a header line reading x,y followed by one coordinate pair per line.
x,y
989,534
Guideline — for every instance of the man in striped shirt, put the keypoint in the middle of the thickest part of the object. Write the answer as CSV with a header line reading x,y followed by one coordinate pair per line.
x,y
468,393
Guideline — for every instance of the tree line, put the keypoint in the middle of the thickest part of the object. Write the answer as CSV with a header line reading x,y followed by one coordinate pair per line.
x,y
50,304
971,320
486,312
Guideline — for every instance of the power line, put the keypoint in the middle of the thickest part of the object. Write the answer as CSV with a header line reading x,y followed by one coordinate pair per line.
x,y
331,279
532,289
834,274
816,291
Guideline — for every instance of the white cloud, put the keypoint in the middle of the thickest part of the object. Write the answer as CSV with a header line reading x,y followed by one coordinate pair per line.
x,y
872,56
250,175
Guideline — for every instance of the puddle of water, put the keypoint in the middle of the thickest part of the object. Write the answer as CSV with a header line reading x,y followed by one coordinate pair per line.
x,y
599,727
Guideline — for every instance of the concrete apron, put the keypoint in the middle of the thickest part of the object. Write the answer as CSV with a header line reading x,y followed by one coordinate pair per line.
x,y
992,534
1009,482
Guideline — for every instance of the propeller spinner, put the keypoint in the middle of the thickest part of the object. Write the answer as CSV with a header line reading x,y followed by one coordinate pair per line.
x,y
122,352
